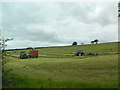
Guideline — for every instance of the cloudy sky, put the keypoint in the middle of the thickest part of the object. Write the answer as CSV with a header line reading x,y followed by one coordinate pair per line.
x,y
33,24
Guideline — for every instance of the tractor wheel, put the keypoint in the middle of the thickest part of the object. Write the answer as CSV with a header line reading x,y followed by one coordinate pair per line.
x,y
29,56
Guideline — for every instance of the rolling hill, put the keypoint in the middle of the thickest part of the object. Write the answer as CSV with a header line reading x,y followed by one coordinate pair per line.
x,y
57,67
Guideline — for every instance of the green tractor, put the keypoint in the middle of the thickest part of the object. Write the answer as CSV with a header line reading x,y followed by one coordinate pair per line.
x,y
23,55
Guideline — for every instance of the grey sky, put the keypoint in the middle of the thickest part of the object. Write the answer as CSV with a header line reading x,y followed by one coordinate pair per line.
x,y
59,23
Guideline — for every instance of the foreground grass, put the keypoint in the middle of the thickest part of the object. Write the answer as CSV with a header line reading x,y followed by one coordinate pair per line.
x,y
92,72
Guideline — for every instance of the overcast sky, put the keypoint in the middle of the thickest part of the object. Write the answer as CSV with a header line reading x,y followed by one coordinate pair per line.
x,y
58,23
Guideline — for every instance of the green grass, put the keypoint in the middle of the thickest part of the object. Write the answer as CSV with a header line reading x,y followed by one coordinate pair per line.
x,y
58,68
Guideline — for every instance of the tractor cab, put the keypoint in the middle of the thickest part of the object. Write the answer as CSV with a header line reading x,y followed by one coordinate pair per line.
x,y
79,53
23,55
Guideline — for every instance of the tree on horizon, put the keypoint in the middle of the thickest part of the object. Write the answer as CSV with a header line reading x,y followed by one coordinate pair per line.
x,y
92,42
74,43
96,40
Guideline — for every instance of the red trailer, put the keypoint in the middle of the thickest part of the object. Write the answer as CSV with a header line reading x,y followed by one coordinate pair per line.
x,y
33,54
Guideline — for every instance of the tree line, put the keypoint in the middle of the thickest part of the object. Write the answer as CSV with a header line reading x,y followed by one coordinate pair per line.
x,y
95,41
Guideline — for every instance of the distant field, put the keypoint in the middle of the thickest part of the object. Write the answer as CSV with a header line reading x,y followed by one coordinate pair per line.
x,y
57,67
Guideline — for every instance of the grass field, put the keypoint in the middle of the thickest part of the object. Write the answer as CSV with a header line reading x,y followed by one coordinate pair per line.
x,y
57,67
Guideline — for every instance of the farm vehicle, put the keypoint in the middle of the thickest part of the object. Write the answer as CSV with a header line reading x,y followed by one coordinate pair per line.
x,y
81,53
32,54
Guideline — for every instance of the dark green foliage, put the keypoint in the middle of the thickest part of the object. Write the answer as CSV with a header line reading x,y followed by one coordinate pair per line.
x,y
92,42
119,9
119,4
74,43
96,40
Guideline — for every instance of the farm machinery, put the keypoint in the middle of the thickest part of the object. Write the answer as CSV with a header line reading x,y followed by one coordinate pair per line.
x,y
31,54
79,53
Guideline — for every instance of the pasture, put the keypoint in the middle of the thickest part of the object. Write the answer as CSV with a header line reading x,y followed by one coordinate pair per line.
x,y
57,67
